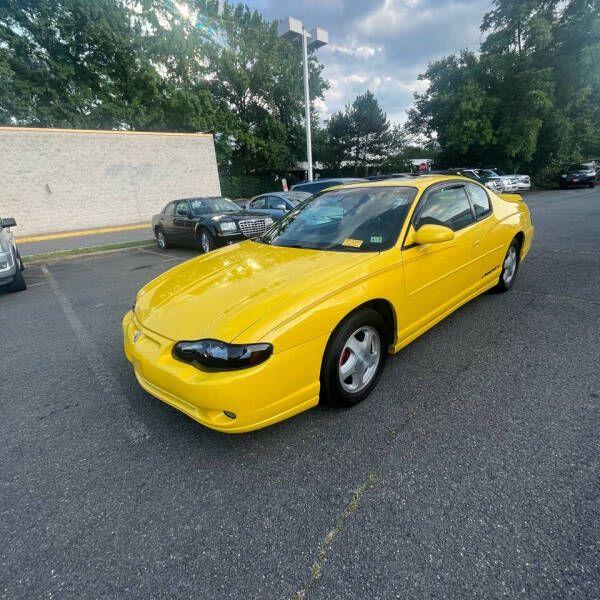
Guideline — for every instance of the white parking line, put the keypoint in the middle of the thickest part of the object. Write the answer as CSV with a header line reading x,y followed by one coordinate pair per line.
x,y
136,430
164,257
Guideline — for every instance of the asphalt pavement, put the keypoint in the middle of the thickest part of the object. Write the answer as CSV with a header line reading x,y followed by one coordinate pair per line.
x,y
472,471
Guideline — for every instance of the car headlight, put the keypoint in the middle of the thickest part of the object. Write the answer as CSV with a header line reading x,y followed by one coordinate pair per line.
x,y
221,356
268,221
227,226
563,175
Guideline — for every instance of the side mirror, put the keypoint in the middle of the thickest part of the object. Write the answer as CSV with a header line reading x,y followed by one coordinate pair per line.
x,y
433,234
7,222
280,207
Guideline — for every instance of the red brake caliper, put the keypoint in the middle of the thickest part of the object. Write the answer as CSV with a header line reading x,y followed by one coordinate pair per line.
x,y
344,357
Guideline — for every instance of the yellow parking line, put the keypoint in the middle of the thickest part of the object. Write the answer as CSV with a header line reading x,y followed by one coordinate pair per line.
x,y
79,233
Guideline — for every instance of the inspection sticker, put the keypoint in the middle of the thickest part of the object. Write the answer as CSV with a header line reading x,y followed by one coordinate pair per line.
x,y
352,243
376,239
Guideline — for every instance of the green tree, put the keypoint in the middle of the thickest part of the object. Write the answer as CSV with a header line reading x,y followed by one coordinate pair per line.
x,y
359,135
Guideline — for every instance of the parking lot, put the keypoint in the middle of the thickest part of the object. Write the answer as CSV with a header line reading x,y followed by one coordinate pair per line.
x,y
473,470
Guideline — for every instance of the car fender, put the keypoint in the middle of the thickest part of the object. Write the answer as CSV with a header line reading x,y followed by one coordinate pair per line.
x,y
299,323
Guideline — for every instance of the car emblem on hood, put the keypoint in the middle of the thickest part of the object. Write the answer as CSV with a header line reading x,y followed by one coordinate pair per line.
x,y
136,335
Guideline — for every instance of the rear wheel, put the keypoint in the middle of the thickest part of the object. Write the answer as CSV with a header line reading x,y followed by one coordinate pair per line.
x,y
354,358
592,185
18,283
510,266
161,238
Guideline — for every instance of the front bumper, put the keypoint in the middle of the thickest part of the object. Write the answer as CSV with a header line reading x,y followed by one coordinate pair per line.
x,y
284,385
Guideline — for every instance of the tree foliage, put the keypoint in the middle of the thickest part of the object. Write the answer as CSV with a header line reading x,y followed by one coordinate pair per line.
x,y
529,100
149,64
360,136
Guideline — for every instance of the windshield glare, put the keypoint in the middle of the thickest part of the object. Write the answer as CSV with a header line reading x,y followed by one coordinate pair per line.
x,y
577,168
354,219
202,206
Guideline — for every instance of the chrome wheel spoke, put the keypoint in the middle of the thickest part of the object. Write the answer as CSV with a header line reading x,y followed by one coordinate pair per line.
x,y
359,359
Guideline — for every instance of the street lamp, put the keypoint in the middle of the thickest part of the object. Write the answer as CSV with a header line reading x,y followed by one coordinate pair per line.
x,y
293,29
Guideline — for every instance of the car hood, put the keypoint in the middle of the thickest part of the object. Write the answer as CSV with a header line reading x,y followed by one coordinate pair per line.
x,y
220,294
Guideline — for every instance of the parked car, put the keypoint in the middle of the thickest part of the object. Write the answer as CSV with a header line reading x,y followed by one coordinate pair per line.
x,y
263,330
207,222
509,183
320,184
276,204
493,183
11,264
578,174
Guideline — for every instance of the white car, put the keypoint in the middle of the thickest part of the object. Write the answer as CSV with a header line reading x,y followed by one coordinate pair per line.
x,y
509,183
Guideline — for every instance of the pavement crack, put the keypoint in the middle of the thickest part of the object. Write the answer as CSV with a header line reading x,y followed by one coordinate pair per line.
x,y
352,506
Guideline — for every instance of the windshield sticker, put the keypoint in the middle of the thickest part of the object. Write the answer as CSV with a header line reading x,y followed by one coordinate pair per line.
x,y
376,239
352,243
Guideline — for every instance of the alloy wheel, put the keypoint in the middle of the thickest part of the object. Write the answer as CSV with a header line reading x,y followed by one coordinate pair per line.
x,y
359,359
510,265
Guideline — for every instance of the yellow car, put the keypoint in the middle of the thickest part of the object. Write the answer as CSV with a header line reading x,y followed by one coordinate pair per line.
x,y
256,332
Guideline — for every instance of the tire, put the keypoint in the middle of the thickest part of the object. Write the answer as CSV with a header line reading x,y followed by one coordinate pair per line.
x,y
510,267
206,240
364,326
161,238
592,185
18,283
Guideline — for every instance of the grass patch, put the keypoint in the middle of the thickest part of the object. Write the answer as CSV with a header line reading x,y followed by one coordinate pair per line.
x,y
58,254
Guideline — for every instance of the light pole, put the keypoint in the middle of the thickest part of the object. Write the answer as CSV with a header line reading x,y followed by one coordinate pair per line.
x,y
294,29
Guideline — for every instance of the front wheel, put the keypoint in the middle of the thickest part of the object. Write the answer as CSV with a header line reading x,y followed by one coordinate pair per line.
x,y
354,359
510,266
18,283
207,242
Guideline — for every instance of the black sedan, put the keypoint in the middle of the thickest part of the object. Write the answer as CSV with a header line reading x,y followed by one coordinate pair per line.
x,y
576,175
206,222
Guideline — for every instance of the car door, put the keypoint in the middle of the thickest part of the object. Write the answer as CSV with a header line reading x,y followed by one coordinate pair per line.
x,y
437,276
183,226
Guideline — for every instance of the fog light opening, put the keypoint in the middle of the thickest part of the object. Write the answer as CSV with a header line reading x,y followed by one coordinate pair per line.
x,y
229,414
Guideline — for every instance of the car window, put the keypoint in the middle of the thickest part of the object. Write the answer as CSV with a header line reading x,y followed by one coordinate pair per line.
x,y
259,203
181,208
480,200
275,202
169,208
448,207
315,187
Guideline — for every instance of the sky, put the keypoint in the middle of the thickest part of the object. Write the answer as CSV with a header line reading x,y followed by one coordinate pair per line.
x,y
382,45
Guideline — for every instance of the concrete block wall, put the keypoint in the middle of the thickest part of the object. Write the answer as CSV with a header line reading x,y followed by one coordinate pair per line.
x,y
54,180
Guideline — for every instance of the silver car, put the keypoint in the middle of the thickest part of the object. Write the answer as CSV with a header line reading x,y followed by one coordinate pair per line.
x,y
11,265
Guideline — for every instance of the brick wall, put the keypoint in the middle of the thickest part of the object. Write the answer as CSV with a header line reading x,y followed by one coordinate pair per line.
x,y
61,180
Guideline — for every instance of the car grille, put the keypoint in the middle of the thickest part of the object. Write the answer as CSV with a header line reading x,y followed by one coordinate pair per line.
x,y
253,228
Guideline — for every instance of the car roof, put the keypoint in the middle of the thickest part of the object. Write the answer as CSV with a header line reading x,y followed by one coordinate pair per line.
x,y
420,182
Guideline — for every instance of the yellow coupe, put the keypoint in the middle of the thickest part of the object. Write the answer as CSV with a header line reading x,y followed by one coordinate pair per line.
x,y
256,332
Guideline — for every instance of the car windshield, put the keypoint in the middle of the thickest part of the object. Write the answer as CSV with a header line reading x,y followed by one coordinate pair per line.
x,y
488,173
202,206
351,220
577,168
